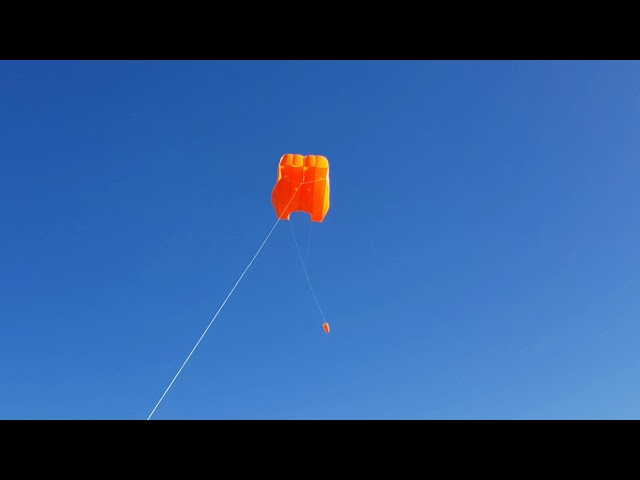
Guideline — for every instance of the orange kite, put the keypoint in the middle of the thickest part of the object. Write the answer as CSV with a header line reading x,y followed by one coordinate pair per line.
x,y
302,186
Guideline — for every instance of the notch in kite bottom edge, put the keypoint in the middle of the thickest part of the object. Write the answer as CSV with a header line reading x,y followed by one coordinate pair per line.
x,y
326,327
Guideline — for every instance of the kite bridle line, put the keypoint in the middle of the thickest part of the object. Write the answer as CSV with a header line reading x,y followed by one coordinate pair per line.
x,y
229,295
304,267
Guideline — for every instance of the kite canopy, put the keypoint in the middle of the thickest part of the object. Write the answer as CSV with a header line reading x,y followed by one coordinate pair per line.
x,y
302,186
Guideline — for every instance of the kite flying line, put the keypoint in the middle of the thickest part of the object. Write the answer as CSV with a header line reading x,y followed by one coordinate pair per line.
x,y
229,295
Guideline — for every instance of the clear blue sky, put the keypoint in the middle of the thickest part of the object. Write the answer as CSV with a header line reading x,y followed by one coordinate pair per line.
x,y
480,259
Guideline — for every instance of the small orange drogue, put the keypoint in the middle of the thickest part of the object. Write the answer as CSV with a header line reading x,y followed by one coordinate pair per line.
x,y
326,327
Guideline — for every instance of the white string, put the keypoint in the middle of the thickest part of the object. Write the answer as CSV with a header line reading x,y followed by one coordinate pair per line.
x,y
304,267
308,245
229,295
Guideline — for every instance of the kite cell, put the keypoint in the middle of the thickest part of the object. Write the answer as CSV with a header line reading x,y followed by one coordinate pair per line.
x,y
302,186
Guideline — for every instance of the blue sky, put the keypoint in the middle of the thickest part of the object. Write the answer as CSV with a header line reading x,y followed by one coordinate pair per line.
x,y
479,260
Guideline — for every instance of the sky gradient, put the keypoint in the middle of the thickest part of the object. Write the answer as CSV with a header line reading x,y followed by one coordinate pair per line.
x,y
480,259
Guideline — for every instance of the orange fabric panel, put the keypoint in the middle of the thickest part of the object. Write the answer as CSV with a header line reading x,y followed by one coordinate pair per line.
x,y
302,186
326,327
